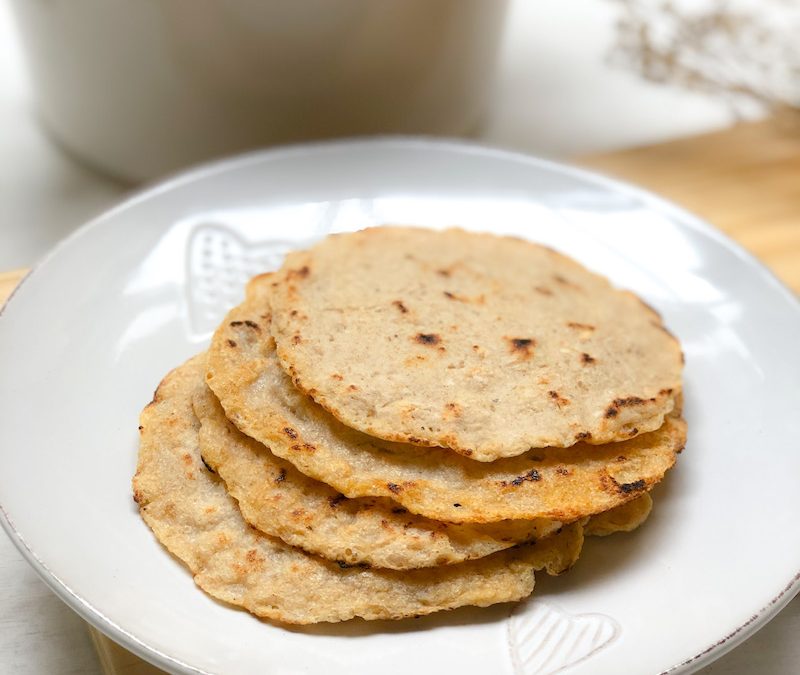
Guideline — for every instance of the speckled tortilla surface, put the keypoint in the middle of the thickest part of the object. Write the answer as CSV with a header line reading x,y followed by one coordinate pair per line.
x,y
279,500
486,345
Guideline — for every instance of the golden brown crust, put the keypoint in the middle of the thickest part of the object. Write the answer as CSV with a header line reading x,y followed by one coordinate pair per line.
x,y
277,499
191,514
556,483
623,518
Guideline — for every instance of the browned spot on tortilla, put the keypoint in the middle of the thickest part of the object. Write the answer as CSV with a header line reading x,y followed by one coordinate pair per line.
x,y
543,290
399,304
337,377
635,486
452,409
586,359
607,483
566,282
281,476
301,272
531,476
617,403
629,401
521,347
558,399
394,487
579,326
231,343
621,458
291,433
352,387
296,339
307,447
477,299
187,459
563,471
443,272
427,338
665,392
583,436
633,432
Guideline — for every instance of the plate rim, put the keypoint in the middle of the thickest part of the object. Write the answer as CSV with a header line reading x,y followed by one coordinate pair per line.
x,y
101,622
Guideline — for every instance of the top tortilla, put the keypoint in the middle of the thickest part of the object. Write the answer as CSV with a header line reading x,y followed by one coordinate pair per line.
x,y
486,345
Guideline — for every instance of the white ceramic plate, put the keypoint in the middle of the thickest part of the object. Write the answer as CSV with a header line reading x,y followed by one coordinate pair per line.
x,y
92,330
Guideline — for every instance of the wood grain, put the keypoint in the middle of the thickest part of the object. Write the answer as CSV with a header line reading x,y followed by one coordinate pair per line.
x,y
8,282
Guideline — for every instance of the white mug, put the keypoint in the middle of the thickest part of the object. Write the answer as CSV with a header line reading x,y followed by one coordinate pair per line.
x,y
139,88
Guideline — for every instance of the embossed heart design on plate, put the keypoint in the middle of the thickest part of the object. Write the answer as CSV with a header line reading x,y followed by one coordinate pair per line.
x,y
543,639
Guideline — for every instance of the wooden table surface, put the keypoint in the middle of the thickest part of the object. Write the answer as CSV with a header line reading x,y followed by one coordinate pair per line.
x,y
746,182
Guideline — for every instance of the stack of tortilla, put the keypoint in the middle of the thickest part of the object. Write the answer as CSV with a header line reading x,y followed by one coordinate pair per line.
x,y
401,421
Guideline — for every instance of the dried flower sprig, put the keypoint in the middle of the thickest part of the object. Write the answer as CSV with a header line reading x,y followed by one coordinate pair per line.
x,y
743,51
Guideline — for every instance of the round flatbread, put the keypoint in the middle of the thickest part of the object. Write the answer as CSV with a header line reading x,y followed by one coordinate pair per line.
x,y
623,518
192,515
555,483
486,345
276,498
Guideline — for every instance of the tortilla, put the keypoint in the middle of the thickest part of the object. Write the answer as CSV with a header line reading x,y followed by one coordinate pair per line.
x,y
486,345
625,518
